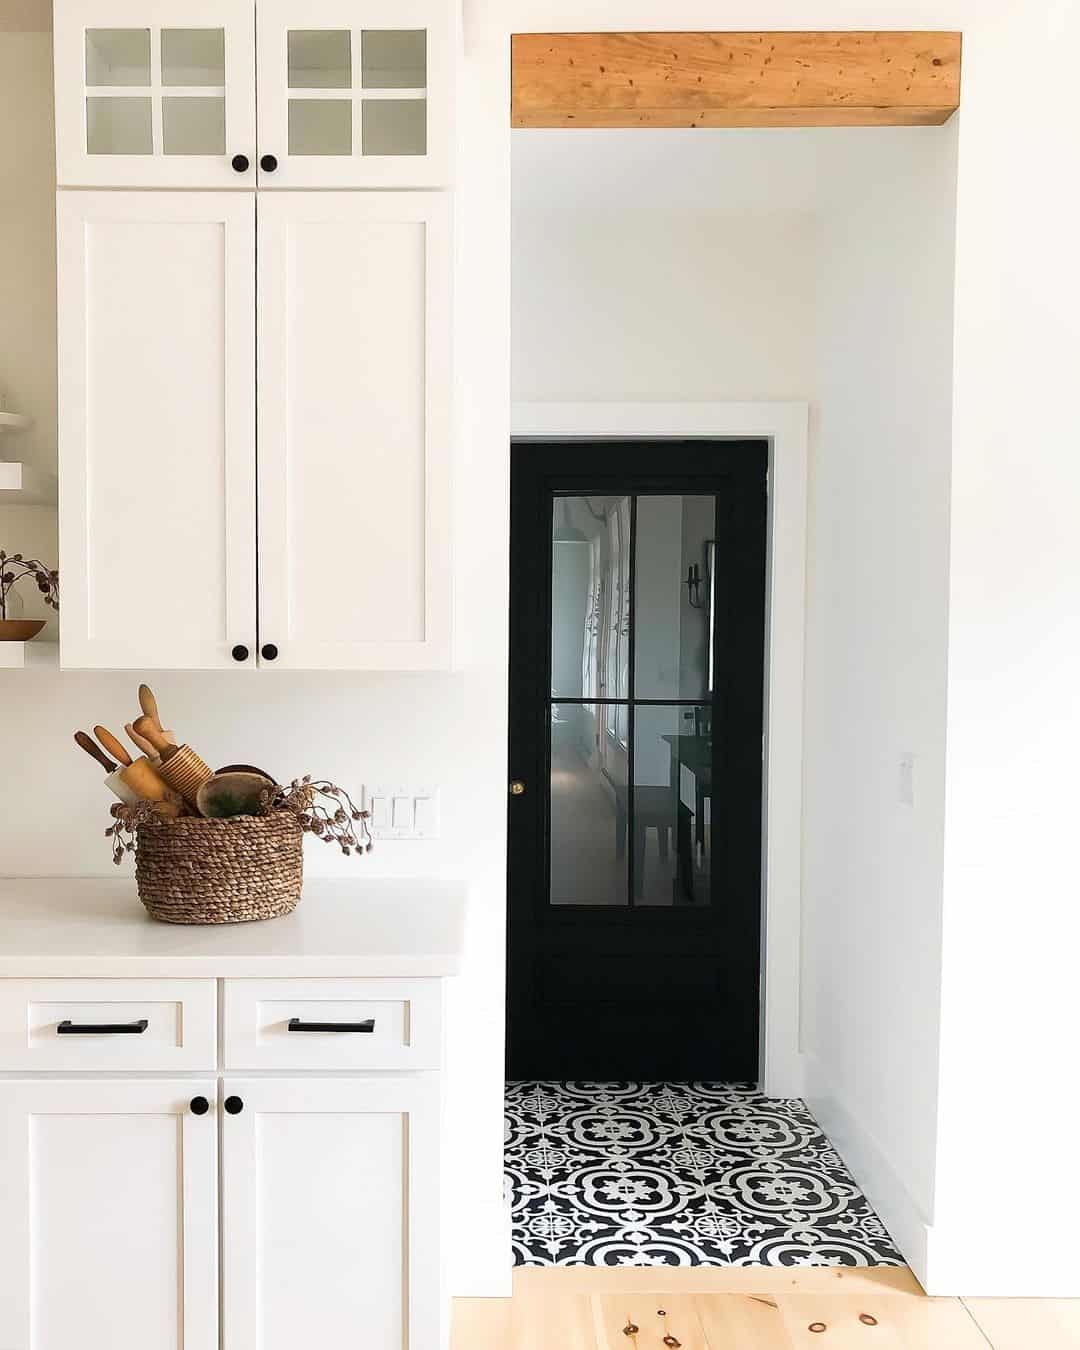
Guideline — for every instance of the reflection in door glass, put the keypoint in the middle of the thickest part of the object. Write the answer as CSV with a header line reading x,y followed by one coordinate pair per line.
x,y
672,804
589,826
585,581
673,596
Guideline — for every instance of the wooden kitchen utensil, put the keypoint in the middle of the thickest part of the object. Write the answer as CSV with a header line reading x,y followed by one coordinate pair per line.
x,y
148,703
140,776
142,743
113,774
180,766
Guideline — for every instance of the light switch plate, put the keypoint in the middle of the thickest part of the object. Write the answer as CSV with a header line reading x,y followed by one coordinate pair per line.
x,y
400,812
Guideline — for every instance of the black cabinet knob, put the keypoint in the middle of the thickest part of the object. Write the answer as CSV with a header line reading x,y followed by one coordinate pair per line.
x,y
240,652
199,1106
241,163
268,163
269,652
234,1105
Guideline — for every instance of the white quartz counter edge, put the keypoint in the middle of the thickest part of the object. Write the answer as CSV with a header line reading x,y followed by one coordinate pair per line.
x,y
87,928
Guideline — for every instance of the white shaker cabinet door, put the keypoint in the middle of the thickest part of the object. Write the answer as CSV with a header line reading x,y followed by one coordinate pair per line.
x,y
108,1215
330,1214
355,93
354,430
155,93
157,429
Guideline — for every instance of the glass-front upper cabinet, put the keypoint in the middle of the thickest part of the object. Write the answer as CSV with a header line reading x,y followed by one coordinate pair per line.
x,y
155,93
355,93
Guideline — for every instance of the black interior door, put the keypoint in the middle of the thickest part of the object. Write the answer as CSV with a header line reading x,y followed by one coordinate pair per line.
x,y
636,700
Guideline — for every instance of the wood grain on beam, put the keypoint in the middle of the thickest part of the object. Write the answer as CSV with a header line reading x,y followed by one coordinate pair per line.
x,y
734,79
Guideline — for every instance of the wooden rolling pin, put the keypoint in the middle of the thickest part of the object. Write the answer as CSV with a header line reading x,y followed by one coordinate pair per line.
x,y
180,766
148,703
142,744
113,777
141,776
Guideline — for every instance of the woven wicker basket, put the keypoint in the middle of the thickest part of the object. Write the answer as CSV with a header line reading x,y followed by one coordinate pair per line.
x,y
220,871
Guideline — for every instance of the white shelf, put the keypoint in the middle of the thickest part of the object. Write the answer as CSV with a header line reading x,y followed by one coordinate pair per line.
x,y
13,422
34,655
23,485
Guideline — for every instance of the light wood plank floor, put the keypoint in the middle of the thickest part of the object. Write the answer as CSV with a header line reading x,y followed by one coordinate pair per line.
x,y
761,1308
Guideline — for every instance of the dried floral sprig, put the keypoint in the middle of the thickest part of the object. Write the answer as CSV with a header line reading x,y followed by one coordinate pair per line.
x,y
335,820
15,568
321,808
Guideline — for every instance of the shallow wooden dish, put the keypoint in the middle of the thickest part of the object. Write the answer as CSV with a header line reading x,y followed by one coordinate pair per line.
x,y
20,630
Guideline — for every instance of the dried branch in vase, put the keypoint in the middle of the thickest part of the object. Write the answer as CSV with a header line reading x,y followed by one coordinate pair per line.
x,y
15,568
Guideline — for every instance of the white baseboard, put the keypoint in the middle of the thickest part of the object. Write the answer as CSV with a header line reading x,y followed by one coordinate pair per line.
x,y
871,1169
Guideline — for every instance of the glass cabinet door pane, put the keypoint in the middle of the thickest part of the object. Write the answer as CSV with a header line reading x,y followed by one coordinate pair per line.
x,y
320,126
118,126
394,126
588,824
394,58
193,126
672,806
674,616
583,573
117,56
193,56
320,58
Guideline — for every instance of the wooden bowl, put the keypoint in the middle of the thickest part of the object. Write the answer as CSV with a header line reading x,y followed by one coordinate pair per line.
x,y
20,630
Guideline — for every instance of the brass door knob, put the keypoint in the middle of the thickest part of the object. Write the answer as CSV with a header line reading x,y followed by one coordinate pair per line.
x,y
517,788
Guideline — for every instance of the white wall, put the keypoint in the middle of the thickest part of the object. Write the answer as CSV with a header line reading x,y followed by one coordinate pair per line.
x,y
875,662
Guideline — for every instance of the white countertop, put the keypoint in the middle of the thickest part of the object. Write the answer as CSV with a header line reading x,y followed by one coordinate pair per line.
x,y
87,927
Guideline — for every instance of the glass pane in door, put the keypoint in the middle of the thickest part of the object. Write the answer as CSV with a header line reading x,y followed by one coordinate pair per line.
x,y
119,126
193,126
320,126
118,56
320,58
585,573
393,58
672,804
193,56
394,126
673,596
589,825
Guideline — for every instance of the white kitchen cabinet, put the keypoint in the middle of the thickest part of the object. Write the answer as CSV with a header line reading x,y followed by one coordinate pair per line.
x,y
355,93
156,327
108,1215
353,429
155,93
293,1203
162,93
327,1187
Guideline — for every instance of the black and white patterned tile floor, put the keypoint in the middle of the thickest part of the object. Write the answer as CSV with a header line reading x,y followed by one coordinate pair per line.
x,y
679,1174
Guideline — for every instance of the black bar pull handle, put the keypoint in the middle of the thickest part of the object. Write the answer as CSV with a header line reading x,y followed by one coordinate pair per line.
x,y
68,1028
295,1024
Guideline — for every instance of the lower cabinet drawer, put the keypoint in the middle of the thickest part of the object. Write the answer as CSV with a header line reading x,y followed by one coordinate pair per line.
x,y
332,1024
107,1024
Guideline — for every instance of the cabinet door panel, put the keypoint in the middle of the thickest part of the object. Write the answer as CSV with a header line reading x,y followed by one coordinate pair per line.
x,y
157,448
331,1214
108,1192
356,94
154,93
354,430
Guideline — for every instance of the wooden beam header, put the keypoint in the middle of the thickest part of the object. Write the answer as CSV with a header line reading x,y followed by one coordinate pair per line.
x,y
734,79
